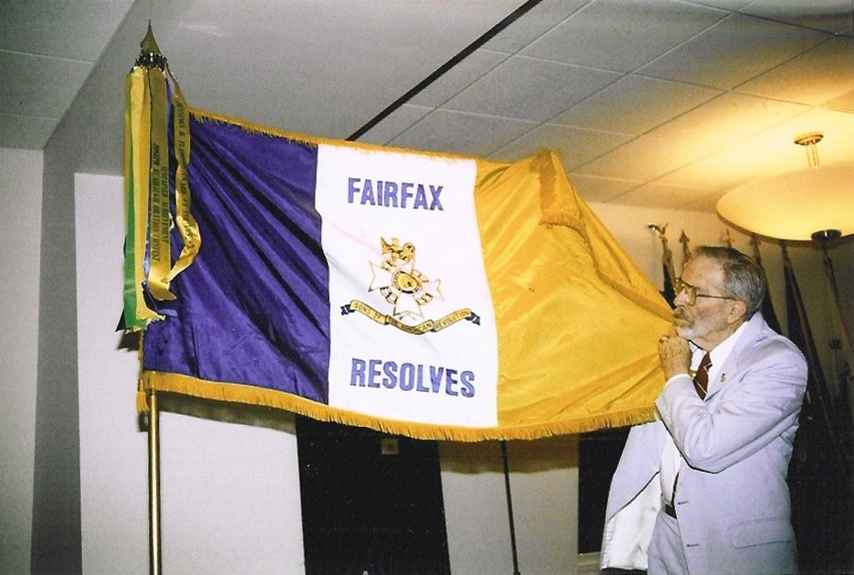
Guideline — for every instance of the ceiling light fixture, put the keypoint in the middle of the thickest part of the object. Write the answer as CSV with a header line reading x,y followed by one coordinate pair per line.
x,y
815,203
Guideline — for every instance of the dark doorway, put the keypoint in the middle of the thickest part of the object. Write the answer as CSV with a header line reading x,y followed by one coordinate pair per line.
x,y
371,503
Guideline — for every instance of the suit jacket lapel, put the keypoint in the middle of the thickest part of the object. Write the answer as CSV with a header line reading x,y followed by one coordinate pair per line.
x,y
752,333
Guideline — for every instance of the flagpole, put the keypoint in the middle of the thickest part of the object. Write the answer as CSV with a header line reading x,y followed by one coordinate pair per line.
x,y
686,250
823,239
668,271
767,305
149,117
817,394
510,508
840,344
154,552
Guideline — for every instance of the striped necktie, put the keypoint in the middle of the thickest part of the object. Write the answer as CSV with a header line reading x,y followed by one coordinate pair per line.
x,y
701,384
701,378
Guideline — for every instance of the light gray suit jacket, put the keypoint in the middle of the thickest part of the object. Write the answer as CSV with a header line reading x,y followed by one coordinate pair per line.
x,y
732,500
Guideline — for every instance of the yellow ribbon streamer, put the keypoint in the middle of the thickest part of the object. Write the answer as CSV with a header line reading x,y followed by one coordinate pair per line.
x,y
139,124
159,244
187,225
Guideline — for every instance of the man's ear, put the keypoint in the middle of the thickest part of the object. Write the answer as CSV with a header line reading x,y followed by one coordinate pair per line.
x,y
737,311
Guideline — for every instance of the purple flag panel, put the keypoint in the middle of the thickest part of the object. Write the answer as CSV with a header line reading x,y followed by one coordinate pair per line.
x,y
254,307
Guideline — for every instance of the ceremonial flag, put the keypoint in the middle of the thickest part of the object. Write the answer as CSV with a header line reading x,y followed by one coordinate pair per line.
x,y
767,309
425,294
667,269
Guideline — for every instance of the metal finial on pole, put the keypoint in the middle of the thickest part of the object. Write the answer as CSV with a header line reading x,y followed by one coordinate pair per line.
x,y
149,53
666,253
754,241
825,239
686,250
726,237
659,230
661,234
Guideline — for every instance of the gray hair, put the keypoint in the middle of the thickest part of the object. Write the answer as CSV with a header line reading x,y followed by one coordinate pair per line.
x,y
743,278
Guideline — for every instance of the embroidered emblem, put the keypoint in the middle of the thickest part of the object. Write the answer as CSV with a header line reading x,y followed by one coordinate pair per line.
x,y
407,290
403,286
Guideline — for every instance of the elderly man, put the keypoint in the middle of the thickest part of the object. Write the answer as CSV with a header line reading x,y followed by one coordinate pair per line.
x,y
702,490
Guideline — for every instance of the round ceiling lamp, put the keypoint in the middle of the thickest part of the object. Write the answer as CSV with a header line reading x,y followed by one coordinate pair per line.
x,y
816,203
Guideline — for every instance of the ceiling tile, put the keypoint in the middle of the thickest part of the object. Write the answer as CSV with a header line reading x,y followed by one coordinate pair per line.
x,y
829,15
530,89
710,173
771,152
722,122
77,30
449,131
458,78
323,67
533,24
25,131
395,123
663,196
26,95
723,4
822,74
622,34
575,146
844,103
733,51
326,67
635,104
644,158
594,189
707,203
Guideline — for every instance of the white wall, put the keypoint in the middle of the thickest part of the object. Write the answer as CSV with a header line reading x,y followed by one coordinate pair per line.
x,y
544,488
230,492
88,139
112,451
20,236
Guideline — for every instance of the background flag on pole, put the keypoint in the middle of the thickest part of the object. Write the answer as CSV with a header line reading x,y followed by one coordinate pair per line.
x,y
667,269
818,473
767,305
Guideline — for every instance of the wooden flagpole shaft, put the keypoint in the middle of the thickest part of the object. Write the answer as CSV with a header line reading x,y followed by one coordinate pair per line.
x,y
154,552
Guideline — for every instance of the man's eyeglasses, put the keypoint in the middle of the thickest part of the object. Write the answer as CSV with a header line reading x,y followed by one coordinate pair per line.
x,y
693,292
